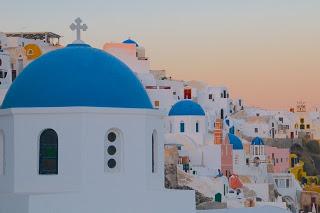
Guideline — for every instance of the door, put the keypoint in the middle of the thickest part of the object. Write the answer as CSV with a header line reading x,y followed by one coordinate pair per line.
x,y
187,93
218,197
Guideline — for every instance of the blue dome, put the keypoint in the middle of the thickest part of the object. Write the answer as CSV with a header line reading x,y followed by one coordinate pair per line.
x,y
185,108
257,141
129,41
77,75
235,141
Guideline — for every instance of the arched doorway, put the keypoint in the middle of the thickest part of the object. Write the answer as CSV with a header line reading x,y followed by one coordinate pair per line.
x,y
218,197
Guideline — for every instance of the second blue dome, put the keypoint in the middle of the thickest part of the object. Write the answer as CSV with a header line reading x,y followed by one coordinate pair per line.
x,y
257,141
186,108
130,41
235,141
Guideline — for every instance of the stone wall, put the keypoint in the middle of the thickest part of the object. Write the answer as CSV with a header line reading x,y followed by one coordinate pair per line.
x,y
170,167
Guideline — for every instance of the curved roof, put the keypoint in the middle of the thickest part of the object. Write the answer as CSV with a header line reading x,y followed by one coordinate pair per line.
x,y
235,141
186,108
77,75
257,141
130,41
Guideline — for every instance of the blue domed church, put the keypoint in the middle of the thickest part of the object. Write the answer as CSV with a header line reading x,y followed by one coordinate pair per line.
x,y
187,117
78,134
188,126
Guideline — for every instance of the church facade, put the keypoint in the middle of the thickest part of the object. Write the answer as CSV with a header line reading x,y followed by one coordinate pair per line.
x,y
70,143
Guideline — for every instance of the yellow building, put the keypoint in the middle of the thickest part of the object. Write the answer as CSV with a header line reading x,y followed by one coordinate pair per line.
x,y
310,183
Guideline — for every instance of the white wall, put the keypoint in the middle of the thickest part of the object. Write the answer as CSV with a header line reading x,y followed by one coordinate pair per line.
x,y
239,161
212,157
189,127
127,54
1,153
261,189
81,133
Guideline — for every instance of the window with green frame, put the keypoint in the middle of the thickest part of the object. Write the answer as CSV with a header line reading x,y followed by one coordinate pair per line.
x,y
182,127
48,152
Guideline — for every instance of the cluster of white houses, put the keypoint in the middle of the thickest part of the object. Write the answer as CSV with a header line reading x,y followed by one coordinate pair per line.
x,y
91,143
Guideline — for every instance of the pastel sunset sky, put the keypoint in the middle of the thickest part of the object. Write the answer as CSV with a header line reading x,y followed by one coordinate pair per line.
x,y
265,51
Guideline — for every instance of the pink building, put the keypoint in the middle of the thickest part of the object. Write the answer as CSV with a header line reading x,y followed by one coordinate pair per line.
x,y
226,158
279,158
226,149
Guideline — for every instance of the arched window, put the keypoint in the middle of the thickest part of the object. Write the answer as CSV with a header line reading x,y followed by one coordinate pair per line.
x,y
48,153
154,154
182,126
256,150
170,127
1,153
197,126
112,151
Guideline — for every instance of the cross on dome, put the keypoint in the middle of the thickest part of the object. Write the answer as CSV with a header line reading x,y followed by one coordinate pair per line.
x,y
78,27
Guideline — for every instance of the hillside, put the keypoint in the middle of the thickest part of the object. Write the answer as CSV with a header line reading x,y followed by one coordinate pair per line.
x,y
309,153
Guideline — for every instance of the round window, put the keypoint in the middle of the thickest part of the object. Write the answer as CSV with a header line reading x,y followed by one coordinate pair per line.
x,y
112,150
112,163
112,136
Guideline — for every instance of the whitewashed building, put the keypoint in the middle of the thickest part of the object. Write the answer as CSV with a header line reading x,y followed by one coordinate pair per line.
x,y
188,127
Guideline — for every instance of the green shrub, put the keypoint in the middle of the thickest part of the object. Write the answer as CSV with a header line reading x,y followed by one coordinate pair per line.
x,y
313,147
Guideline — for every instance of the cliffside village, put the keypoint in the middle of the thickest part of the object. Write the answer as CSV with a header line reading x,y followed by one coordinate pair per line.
x,y
233,155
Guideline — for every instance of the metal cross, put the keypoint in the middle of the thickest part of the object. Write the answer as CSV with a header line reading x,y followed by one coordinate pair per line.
x,y
78,27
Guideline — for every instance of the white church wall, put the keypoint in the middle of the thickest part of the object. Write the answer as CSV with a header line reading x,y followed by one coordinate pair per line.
x,y
7,179
18,204
3,92
111,201
2,162
81,133
68,127
190,127
26,151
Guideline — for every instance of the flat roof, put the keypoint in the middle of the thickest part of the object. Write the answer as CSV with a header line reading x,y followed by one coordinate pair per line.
x,y
33,35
